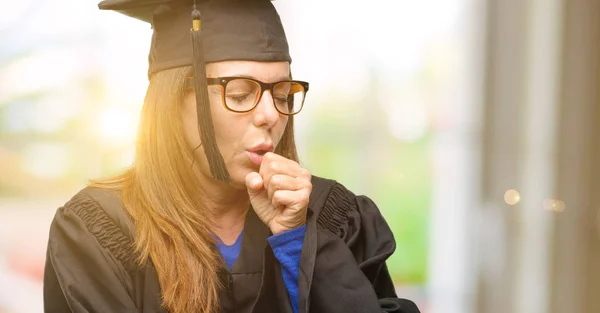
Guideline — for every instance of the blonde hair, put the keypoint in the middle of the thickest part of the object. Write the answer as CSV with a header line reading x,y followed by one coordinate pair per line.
x,y
161,194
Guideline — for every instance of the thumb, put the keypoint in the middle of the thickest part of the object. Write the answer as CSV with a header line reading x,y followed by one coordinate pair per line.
x,y
254,183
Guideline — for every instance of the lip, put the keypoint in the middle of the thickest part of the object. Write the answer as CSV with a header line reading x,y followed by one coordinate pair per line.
x,y
256,157
262,147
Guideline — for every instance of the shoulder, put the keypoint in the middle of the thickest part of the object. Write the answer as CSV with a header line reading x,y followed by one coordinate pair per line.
x,y
94,213
340,210
90,262
331,202
355,219
98,209
86,206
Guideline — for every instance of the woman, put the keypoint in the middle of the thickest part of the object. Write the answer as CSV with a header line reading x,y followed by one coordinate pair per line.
x,y
216,214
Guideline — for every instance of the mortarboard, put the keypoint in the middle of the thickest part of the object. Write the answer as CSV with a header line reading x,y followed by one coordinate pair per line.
x,y
192,33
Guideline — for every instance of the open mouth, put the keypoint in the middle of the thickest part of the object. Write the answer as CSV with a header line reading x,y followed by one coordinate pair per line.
x,y
256,156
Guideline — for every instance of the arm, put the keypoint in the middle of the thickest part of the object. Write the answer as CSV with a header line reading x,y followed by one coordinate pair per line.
x,y
372,243
354,242
81,273
287,247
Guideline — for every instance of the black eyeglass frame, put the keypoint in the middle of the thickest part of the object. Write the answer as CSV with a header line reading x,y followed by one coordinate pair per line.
x,y
223,81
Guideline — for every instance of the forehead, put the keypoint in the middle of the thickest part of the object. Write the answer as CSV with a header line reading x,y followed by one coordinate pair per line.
x,y
263,71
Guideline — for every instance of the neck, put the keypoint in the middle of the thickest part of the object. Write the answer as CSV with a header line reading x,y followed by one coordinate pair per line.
x,y
228,207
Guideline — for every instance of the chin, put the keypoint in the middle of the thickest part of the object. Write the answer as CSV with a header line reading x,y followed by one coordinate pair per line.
x,y
238,176
237,182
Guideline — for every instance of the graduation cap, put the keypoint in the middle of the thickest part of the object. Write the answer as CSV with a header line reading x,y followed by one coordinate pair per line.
x,y
192,33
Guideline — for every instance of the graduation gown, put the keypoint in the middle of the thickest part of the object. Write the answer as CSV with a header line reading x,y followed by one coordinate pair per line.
x,y
91,266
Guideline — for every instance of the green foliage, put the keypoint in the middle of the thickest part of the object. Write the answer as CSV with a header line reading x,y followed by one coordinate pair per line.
x,y
357,150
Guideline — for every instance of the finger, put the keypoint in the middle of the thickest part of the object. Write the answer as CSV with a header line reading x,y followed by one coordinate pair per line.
x,y
285,198
254,184
288,199
272,164
304,174
275,164
284,182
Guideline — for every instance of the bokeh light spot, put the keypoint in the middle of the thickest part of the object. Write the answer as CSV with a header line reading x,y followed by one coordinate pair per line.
x,y
512,197
554,205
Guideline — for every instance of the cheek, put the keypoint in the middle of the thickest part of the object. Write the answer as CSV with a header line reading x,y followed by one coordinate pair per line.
x,y
229,127
280,128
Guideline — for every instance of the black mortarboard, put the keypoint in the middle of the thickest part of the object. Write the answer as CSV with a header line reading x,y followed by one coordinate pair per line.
x,y
220,30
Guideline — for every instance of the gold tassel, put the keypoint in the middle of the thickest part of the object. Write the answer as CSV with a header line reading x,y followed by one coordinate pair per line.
x,y
205,123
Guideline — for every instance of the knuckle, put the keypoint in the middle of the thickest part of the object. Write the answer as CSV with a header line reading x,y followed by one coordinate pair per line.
x,y
305,173
308,186
270,156
267,156
303,184
277,196
275,180
274,166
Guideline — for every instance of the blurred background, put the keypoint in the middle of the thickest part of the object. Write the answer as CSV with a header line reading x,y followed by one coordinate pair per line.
x,y
472,124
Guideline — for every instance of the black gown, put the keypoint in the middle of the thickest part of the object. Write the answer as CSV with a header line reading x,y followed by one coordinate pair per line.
x,y
91,266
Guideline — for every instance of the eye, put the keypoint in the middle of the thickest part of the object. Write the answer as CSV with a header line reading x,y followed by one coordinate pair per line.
x,y
282,100
238,97
280,97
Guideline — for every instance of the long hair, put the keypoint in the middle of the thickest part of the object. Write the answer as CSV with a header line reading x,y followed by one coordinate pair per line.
x,y
161,194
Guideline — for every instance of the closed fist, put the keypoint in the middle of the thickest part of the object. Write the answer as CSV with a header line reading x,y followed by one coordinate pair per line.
x,y
279,192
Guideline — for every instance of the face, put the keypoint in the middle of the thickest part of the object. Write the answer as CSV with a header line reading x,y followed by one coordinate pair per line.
x,y
241,137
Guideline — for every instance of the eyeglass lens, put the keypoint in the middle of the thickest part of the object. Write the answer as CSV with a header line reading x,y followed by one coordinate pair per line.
x,y
243,94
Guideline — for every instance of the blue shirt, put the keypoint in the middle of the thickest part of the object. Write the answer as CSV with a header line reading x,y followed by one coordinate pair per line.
x,y
231,253
286,247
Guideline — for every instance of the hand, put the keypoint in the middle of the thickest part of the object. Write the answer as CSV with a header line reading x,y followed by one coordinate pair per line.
x,y
279,192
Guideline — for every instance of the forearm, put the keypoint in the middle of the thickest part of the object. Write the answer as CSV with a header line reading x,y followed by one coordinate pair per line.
x,y
287,248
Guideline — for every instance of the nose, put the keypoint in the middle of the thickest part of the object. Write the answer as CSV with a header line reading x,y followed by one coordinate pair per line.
x,y
265,113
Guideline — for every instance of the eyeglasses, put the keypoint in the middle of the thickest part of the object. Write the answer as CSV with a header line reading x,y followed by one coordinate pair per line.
x,y
241,94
